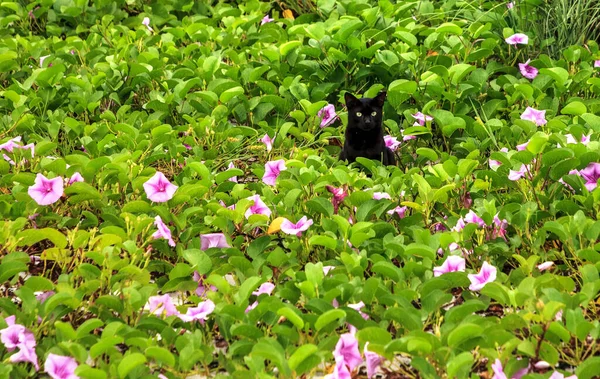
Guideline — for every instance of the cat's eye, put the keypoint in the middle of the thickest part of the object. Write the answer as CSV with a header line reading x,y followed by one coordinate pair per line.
x,y
373,114
358,114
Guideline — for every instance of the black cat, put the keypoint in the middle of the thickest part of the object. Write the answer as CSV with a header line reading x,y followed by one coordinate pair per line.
x,y
364,134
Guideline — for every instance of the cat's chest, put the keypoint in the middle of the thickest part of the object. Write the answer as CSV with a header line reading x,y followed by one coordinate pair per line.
x,y
364,141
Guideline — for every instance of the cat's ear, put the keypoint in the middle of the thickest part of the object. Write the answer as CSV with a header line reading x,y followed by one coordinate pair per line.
x,y
351,100
380,99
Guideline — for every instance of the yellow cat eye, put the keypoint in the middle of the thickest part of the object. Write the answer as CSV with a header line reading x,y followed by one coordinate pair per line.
x,y
374,114
358,114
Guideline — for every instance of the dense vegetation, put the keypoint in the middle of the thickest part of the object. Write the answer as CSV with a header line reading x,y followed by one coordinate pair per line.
x,y
171,201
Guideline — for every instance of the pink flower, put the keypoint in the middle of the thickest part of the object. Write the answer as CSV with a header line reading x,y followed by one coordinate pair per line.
x,y
46,191
510,5
8,159
460,225
535,116
499,371
326,269
373,361
210,240
272,171
162,304
516,175
290,228
381,195
267,141
28,147
264,288
486,275
407,138
597,63
400,211
17,336
201,290
591,174
233,178
391,142
42,59
558,375
42,296
163,231
26,355
198,313
528,71
472,218
340,371
11,144
518,38
266,19
339,194
545,266
76,177
346,350
522,146
452,264
146,23
422,118
328,115
499,228
258,208
60,367
159,189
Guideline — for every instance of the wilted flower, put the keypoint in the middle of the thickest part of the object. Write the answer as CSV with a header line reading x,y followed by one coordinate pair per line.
x,y
198,313
327,114
407,138
535,116
258,208
233,178
373,361
266,19
46,191
518,38
159,189
10,144
146,23
163,231
60,367
467,200
211,240
422,118
400,211
339,194
545,266
499,227
391,142
162,304
486,275
302,225
267,141
452,264
8,159
272,171
528,71
76,177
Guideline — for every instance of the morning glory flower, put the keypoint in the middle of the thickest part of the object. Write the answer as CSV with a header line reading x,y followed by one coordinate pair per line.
x,y
452,264
391,143
267,141
146,23
11,144
46,191
535,116
272,171
522,146
585,140
422,118
76,177
199,313
160,304
517,38
597,63
211,240
472,218
60,367
266,19
302,225
545,266
163,231
510,5
327,114
159,189
400,211
258,208
381,195
346,350
233,178
339,194
516,175
558,375
373,361
528,71
591,174
486,275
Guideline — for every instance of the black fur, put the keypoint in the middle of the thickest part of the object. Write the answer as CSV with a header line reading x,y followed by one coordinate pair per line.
x,y
364,133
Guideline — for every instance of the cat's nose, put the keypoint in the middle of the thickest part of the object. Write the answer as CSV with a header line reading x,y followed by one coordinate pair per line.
x,y
367,121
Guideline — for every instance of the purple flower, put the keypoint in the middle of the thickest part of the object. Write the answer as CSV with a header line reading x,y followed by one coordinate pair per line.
x,y
528,71
146,23
472,218
518,38
29,146
558,375
46,191
159,189
422,118
201,290
381,195
452,264
42,296
266,19
258,208
460,225
233,178
26,355
11,144
510,5
522,146
339,194
76,177
17,336
516,175
8,159
328,115
597,63
272,171
163,231
467,200
572,140
162,304
264,288
60,367
373,361
340,371
408,138
210,240
400,211
535,116
346,350
198,313
302,225
267,141
486,275
499,227
391,142
545,266
591,174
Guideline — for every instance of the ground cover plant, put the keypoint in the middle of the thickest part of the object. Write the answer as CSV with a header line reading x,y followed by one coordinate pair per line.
x,y
172,204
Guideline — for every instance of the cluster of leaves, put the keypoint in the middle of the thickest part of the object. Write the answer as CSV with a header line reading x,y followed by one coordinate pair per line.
x,y
120,90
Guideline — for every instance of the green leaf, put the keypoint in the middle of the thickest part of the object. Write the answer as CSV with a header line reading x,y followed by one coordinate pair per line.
x,y
559,74
130,362
32,236
463,333
329,317
574,108
198,259
300,355
88,326
427,153
160,355
287,47
589,368
230,94
374,334
292,316
322,240
449,28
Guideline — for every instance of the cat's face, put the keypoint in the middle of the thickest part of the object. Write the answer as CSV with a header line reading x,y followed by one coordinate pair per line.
x,y
366,113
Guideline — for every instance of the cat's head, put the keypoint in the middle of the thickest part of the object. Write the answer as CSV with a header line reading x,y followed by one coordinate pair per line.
x,y
365,113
